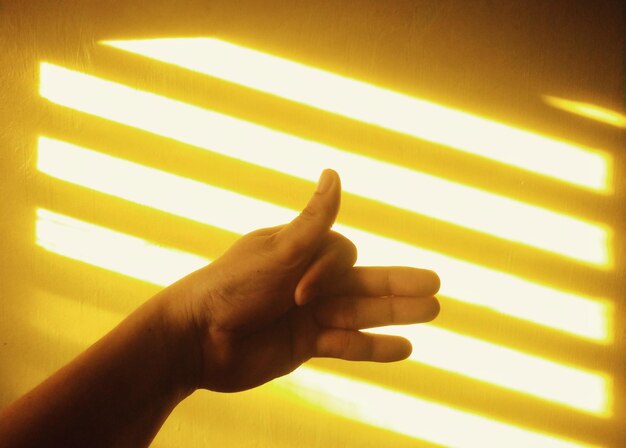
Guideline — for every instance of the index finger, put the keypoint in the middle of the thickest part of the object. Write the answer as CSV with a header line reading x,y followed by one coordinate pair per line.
x,y
378,281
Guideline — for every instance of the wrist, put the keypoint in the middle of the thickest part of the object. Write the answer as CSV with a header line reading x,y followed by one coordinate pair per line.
x,y
181,340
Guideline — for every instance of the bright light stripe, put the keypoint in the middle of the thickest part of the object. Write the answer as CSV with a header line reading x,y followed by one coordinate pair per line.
x,y
414,417
432,346
449,201
532,375
588,110
157,189
381,107
112,250
508,294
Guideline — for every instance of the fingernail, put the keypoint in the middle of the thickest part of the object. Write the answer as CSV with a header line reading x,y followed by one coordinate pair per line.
x,y
325,181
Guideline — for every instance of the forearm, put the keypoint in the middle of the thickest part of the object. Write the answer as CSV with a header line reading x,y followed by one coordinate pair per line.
x,y
117,393
276,298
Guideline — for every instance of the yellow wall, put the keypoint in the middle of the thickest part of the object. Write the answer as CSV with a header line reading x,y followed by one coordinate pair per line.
x,y
526,230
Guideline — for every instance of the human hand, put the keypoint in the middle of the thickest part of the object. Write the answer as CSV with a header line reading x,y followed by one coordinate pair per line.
x,y
282,295
273,300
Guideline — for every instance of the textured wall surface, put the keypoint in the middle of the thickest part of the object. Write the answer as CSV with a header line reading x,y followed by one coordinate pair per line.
x,y
496,60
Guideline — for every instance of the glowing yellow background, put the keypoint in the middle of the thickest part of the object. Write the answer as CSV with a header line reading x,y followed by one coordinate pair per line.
x,y
528,349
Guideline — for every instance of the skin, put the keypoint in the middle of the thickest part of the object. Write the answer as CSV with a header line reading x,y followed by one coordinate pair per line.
x,y
276,298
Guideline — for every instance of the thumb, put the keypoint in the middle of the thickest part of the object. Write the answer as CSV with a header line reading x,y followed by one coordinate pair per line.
x,y
305,233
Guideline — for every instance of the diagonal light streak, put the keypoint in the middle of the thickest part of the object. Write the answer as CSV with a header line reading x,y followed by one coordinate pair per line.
x,y
414,417
114,251
358,100
587,110
408,189
582,316
511,369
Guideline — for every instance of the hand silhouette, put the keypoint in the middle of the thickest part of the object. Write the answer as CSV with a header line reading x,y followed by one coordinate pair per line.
x,y
276,298
282,295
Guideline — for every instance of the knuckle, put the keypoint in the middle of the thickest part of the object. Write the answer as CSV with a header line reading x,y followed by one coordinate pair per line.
x,y
320,313
347,248
285,252
269,242
391,310
257,232
388,283
346,342
370,349
309,213
349,316
291,251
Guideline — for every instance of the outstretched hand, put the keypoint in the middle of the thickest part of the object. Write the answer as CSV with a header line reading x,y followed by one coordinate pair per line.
x,y
280,296
275,299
